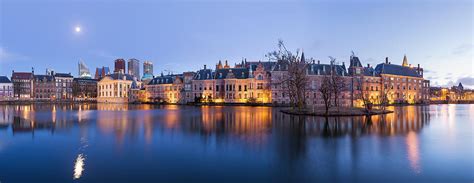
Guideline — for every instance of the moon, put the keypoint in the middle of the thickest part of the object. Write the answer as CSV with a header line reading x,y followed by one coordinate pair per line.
x,y
77,29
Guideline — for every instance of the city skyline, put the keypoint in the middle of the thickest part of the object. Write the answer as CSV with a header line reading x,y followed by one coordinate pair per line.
x,y
435,34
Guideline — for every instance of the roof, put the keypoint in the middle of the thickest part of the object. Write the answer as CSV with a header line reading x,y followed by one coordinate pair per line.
x,y
166,79
325,69
47,78
119,76
396,70
84,80
355,62
204,74
237,73
64,75
4,79
22,75
267,66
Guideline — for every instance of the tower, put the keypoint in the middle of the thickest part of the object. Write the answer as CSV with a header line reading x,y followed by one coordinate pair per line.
x,y
405,61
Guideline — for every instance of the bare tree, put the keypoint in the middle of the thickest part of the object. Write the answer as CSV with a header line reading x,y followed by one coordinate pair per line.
x,y
362,94
337,82
383,99
326,90
294,82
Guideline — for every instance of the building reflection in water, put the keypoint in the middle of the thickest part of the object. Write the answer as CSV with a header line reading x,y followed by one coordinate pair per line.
x,y
250,126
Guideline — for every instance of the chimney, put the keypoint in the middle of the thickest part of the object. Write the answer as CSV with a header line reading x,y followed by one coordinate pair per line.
x,y
32,70
319,62
418,66
368,65
386,60
124,77
204,66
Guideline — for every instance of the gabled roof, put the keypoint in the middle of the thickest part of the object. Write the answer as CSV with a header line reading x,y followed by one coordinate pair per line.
x,y
22,75
396,70
4,79
237,73
355,62
43,78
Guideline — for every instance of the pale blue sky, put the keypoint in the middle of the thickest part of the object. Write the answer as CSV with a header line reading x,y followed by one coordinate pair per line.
x,y
184,35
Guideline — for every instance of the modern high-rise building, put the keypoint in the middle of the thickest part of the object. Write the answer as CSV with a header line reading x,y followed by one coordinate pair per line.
x,y
147,70
101,72
119,66
134,68
83,70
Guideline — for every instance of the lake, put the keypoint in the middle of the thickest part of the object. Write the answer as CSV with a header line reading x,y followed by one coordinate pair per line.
x,y
145,143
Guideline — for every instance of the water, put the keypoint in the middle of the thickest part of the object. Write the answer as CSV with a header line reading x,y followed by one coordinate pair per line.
x,y
129,143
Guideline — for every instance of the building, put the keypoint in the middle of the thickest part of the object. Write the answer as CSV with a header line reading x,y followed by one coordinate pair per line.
x,y
119,66
147,71
455,94
44,87
187,92
22,85
101,72
83,70
134,68
166,88
63,86
202,85
6,88
84,89
115,88
403,83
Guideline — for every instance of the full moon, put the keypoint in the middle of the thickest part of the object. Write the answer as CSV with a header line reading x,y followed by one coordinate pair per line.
x,y
77,29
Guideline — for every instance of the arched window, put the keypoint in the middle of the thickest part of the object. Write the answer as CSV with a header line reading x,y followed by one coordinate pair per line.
x,y
260,77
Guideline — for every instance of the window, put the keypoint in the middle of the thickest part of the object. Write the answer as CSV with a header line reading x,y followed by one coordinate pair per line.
x,y
260,77
259,85
217,87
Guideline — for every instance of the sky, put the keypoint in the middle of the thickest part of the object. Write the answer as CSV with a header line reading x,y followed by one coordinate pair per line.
x,y
184,35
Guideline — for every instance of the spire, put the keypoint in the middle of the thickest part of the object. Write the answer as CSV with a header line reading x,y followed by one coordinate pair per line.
x,y
405,61
302,56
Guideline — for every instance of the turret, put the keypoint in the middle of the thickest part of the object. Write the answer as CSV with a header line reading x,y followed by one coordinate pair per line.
x,y
405,61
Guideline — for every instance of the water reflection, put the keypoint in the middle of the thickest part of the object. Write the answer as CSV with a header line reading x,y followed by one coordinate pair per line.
x,y
235,138
78,166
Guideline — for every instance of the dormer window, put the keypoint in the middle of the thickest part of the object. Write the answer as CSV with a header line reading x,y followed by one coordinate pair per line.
x,y
260,77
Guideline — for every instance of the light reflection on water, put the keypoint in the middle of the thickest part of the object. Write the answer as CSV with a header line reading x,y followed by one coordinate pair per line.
x,y
347,147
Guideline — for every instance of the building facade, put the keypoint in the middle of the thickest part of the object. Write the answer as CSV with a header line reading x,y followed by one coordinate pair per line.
x,y
83,70
44,88
63,83
147,71
6,88
134,68
119,66
115,88
166,88
84,89
22,85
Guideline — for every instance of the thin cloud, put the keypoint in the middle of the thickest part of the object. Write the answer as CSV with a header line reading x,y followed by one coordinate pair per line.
x,y
466,80
8,56
463,49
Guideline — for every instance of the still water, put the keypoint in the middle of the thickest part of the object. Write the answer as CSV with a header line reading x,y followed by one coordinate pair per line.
x,y
144,143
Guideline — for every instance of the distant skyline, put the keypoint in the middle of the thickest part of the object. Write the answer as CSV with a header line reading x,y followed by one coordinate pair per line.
x,y
185,35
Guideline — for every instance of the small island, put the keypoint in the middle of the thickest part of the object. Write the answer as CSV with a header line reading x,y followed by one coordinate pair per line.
x,y
341,111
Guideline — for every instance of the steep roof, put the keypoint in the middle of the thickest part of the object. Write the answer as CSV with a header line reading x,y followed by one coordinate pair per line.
x,y
204,74
396,70
4,79
22,75
355,62
166,79
325,69
238,73
84,80
267,66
